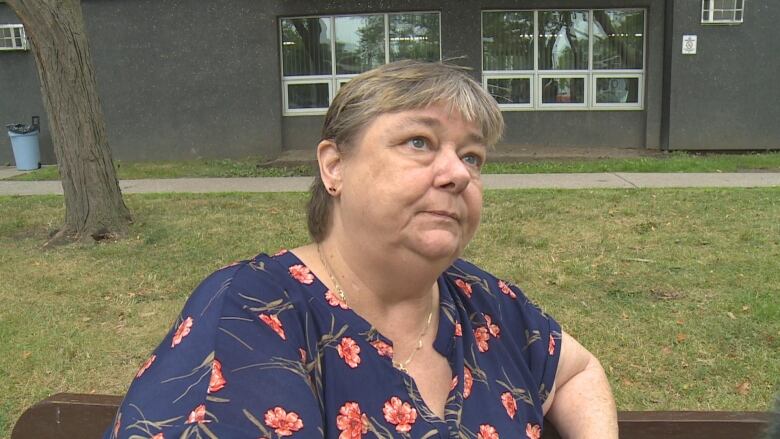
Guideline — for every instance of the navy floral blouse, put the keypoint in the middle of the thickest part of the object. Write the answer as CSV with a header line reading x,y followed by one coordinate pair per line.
x,y
262,349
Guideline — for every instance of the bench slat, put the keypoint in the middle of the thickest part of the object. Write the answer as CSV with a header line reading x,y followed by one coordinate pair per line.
x,y
72,415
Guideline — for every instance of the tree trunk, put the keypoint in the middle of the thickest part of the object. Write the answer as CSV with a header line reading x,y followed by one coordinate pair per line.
x,y
93,201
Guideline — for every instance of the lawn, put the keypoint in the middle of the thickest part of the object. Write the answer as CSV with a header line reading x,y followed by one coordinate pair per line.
x,y
253,167
677,291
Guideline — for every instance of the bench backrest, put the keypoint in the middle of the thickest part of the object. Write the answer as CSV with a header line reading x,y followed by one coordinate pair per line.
x,y
70,415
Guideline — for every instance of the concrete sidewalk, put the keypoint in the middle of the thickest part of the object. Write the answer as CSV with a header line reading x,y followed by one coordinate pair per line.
x,y
492,181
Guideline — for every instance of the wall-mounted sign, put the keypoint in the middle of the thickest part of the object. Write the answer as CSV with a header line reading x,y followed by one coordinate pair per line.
x,y
689,45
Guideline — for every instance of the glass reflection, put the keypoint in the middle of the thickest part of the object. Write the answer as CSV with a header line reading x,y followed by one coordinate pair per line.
x,y
300,96
563,90
563,40
508,40
618,39
414,36
360,43
617,90
305,46
510,90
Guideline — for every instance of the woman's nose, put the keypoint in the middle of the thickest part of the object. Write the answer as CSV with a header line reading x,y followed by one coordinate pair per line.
x,y
452,173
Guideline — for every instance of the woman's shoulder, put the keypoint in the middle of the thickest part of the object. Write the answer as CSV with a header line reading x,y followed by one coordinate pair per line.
x,y
264,278
496,291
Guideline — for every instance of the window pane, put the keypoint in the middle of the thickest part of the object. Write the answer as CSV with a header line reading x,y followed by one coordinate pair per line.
x,y
725,4
563,40
563,90
306,46
618,39
722,15
510,90
307,96
508,40
617,90
360,43
414,36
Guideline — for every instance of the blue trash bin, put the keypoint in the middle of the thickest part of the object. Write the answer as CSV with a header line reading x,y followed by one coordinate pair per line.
x,y
24,141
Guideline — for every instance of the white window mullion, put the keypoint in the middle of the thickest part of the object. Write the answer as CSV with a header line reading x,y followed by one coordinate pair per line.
x,y
387,38
535,87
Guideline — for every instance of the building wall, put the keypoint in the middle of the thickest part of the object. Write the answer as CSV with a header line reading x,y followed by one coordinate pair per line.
x,y
726,95
20,96
184,79
461,37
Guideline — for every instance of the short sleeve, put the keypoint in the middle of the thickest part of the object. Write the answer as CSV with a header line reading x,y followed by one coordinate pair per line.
x,y
229,367
541,337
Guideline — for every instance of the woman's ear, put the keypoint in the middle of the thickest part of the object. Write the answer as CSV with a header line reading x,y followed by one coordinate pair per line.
x,y
331,163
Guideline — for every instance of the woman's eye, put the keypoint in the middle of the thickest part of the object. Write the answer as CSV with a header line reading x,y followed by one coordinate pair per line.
x,y
473,160
418,143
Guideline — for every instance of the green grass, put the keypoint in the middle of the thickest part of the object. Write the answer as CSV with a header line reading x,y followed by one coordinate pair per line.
x,y
677,291
251,167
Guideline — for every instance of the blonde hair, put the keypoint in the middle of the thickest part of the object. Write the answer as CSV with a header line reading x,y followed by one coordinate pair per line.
x,y
398,86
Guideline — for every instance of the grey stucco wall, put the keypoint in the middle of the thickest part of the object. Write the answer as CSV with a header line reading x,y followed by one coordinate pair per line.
x,y
186,78
726,96
20,96
461,37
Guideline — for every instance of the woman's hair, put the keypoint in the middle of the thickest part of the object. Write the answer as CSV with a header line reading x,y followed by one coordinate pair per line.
x,y
398,86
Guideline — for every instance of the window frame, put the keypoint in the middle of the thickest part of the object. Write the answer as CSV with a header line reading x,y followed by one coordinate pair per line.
x,y
590,74
22,34
612,105
563,74
335,80
708,13
513,75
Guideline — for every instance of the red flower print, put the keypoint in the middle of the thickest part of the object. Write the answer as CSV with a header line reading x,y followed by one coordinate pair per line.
x,y
468,381
533,431
158,436
283,423
458,330
302,353
482,335
302,274
493,329
506,290
551,346
454,383
280,252
275,324
145,366
509,404
486,431
352,423
335,300
400,414
198,415
349,351
182,331
217,381
383,348
466,288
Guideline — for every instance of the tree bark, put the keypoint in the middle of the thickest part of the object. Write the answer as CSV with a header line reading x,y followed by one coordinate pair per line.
x,y
93,201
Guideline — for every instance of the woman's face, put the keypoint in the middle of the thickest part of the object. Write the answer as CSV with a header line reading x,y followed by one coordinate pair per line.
x,y
412,182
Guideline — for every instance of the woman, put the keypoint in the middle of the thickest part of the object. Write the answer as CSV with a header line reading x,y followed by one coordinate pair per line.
x,y
376,328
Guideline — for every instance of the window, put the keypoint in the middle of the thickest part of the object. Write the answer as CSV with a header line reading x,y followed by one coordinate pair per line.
x,y
12,37
722,11
320,54
564,59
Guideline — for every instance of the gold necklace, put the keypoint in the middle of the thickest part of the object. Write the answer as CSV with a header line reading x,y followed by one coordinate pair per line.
x,y
402,366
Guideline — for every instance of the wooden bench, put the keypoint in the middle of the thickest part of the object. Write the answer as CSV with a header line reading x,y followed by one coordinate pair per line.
x,y
71,415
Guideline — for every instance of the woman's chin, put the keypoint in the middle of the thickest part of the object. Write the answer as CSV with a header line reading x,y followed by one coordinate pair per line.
x,y
438,247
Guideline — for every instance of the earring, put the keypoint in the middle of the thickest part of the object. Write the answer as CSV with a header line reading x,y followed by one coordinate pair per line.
x,y
332,189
